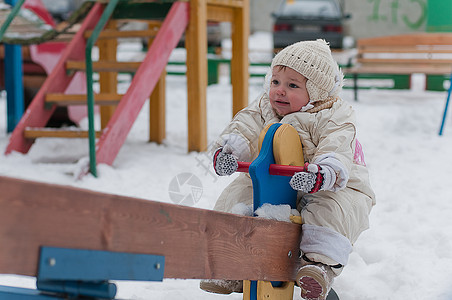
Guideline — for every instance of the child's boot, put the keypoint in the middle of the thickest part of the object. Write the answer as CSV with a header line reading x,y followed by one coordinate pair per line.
x,y
315,279
219,286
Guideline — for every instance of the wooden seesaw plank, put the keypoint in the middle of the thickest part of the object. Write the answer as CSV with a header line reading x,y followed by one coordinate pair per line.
x,y
196,243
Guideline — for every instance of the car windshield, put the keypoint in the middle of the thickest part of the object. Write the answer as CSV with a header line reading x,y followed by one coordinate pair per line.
x,y
310,8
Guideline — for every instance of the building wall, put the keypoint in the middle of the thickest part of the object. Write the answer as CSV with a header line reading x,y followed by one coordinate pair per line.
x,y
368,17
260,14
383,17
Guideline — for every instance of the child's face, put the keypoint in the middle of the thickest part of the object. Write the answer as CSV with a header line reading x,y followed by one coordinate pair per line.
x,y
288,91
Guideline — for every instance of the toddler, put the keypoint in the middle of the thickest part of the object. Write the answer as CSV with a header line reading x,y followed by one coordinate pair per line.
x,y
334,194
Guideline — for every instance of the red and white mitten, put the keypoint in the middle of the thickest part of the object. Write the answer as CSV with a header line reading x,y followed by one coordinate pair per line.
x,y
224,163
310,181
234,148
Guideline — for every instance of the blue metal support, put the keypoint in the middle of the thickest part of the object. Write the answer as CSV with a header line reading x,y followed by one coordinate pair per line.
x,y
95,265
79,273
443,122
13,79
15,293
14,85
95,289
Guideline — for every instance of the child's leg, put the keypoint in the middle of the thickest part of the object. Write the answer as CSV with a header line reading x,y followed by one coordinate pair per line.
x,y
333,222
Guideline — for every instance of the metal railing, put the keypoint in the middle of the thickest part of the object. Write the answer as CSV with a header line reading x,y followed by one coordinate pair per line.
x,y
89,81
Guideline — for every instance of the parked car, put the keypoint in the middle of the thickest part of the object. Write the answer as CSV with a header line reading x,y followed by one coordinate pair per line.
x,y
300,20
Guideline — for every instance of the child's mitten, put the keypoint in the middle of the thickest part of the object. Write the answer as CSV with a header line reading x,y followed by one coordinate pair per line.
x,y
315,178
309,181
235,148
224,163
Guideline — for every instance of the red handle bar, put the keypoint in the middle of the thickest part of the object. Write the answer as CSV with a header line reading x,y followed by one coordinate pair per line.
x,y
274,169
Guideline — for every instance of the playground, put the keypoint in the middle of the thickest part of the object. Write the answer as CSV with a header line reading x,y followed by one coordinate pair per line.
x,y
404,254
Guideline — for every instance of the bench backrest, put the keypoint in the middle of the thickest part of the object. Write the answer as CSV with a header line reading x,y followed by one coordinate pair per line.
x,y
417,49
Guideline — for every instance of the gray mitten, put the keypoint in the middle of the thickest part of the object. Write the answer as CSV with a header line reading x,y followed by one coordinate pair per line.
x,y
224,163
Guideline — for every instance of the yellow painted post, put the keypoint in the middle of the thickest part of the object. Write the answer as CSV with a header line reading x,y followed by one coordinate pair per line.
x,y
266,291
108,81
157,111
196,45
157,119
239,61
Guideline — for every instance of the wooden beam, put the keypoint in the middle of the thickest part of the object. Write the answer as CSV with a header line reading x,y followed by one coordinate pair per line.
x,y
34,81
108,81
61,99
228,3
239,60
25,52
105,66
399,69
157,114
114,34
423,49
157,119
408,61
418,38
220,13
32,133
196,44
196,243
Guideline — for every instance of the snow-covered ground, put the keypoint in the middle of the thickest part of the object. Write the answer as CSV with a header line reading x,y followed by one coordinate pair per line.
x,y
407,252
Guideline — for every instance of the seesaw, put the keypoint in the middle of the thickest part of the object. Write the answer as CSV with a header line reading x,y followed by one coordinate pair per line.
x,y
75,241
45,228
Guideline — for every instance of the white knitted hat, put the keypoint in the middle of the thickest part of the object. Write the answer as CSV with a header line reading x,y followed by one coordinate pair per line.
x,y
313,60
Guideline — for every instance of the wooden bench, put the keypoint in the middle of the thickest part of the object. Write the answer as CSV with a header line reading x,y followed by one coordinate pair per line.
x,y
427,53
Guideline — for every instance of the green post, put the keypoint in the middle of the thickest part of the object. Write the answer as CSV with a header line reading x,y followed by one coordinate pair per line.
x,y
89,82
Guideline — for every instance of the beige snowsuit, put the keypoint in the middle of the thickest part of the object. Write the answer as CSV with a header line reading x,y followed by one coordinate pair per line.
x,y
328,216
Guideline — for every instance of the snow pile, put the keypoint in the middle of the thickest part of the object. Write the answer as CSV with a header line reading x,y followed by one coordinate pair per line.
x,y
266,211
276,212
242,209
